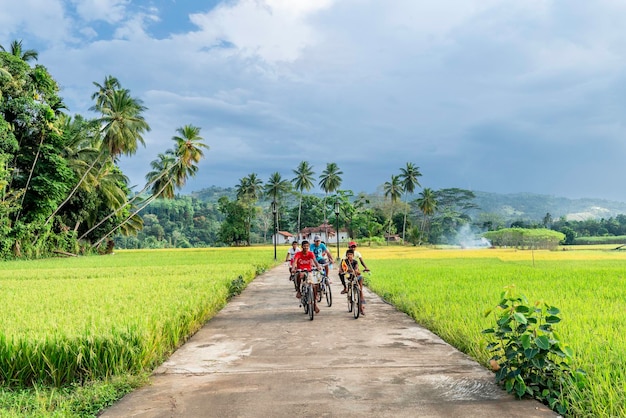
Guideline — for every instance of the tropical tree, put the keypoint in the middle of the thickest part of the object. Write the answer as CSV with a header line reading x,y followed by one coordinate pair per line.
x,y
122,126
330,181
171,170
393,190
249,190
275,188
17,51
302,181
427,204
409,178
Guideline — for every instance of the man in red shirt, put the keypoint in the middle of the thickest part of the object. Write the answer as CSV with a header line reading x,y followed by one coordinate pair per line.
x,y
302,263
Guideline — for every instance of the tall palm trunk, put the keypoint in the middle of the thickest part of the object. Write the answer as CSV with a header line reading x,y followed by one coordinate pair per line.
x,y
299,216
406,211
30,176
146,203
73,192
109,216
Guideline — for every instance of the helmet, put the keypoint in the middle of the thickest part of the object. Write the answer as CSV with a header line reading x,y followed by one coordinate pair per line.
x,y
317,238
352,244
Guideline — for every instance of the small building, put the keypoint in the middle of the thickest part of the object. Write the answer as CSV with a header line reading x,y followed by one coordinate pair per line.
x,y
283,237
326,232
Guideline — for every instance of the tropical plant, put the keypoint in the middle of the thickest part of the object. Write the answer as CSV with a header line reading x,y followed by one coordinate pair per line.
x,y
393,190
427,204
330,181
275,189
302,181
17,51
528,357
409,178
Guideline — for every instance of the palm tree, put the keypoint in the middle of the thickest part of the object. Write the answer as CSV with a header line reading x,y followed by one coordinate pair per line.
x,y
275,188
248,191
427,204
189,150
171,169
393,189
105,91
408,177
302,181
249,188
330,180
122,126
16,50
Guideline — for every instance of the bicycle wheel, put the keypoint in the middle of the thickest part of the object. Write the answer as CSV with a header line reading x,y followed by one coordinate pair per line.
x,y
319,292
303,300
310,300
350,298
356,296
328,293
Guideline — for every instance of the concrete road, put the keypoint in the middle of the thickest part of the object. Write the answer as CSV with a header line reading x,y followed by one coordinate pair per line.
x,y
262,357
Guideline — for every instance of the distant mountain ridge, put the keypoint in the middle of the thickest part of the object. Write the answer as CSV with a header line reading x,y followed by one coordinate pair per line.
x,y
513,206
530,206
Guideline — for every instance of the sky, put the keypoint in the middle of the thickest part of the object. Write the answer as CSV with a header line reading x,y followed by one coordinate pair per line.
x,y
499,96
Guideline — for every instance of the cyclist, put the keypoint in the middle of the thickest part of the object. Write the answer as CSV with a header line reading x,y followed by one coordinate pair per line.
x,y
319,249
358,256
302,264
291,252
351,267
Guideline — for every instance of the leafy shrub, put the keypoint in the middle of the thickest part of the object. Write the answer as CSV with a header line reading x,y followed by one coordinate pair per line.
x,y
528,357
236,286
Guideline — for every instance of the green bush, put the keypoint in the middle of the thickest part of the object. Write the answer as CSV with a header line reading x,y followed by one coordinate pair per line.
x,y
528,357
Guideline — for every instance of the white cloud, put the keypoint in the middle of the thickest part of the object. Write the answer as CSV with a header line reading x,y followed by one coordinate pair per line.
x,y
43,19
111,11
276,30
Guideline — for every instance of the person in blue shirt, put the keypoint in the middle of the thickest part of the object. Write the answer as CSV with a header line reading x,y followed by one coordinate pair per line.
x,y
319,249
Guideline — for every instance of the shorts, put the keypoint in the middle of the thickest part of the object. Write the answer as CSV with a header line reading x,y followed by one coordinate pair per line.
x,y
322,261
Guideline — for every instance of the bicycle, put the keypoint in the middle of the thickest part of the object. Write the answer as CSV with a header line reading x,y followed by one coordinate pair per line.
x,y
325,290
354,296
307,301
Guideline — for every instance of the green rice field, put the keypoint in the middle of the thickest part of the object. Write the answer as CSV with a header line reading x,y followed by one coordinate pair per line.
x,y
78,333
448,291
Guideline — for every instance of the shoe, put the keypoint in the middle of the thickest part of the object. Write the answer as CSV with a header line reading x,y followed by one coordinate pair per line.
x,y
317,310
344,291
298,295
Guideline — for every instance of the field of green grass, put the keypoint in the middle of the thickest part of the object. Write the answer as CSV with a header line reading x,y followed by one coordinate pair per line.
x,y
78,333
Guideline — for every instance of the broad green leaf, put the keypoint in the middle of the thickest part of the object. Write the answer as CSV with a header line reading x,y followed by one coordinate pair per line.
x,y
520,318
552,319
542,342
553,311
525,341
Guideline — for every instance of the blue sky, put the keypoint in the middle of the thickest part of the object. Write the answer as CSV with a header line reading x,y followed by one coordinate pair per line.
x,y
488,95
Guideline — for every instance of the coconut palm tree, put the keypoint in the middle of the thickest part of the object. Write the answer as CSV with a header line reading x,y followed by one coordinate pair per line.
x,y
393,190
179,164
275,188
330,181
302,181
249,190
122,126
16,50
408,177
171,170
427,203
105,91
